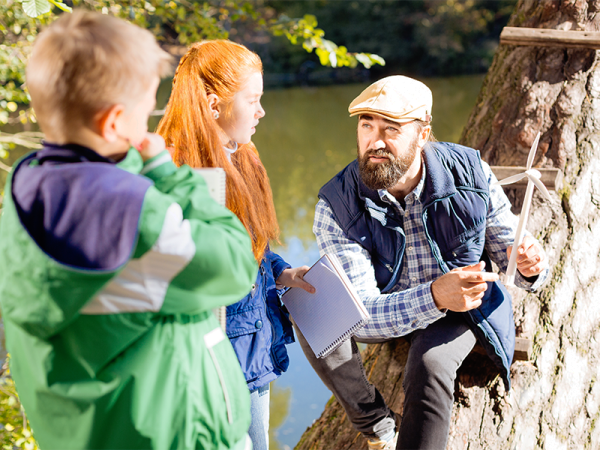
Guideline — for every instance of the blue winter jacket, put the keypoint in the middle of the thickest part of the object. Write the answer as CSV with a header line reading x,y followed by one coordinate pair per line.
x,y
258,327
455,198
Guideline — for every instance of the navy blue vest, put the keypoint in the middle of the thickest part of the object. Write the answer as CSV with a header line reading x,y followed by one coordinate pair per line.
x,y
455,199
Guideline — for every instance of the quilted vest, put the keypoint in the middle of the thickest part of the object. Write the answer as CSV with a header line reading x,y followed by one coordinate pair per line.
x,y
455,199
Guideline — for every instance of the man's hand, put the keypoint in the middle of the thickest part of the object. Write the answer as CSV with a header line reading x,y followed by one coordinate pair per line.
x,y
461,289
151,146
295,278
531,258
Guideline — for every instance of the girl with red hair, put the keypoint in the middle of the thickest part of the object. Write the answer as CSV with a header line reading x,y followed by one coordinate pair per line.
x,y
209,121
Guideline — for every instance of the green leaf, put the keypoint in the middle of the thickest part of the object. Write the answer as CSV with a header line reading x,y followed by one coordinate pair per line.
x,y
35,8
377,59
323,56
333,59
311,21
364,60
61,5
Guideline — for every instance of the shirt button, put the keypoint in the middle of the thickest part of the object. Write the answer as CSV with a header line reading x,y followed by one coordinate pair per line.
x,y
410,248
258,324
414,278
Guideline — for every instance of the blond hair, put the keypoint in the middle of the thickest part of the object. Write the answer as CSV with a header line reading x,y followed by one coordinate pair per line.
x,y
86,62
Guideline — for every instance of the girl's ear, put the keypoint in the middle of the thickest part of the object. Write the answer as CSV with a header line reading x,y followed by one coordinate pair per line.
x,y
214,105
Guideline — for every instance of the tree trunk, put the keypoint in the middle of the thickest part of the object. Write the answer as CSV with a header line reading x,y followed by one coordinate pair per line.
x,y
555,399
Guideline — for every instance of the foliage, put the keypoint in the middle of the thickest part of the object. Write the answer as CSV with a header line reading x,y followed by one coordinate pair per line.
x,y
15,432
173,22
305,31
424,37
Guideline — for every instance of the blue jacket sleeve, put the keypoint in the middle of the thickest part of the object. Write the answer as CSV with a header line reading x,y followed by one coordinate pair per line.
x,y
278,265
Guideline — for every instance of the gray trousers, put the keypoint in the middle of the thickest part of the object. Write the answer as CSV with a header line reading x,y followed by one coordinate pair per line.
x,y
435,355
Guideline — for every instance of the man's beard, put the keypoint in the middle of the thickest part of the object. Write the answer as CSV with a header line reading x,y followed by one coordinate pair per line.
x,y
386,174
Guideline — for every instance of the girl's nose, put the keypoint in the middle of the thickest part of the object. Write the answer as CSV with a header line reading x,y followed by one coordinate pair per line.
x,y
261,112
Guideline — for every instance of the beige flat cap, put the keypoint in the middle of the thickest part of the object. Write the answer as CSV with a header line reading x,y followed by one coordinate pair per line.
x,y
396,98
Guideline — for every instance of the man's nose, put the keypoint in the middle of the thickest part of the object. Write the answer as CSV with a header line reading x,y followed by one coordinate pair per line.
x,y
378,144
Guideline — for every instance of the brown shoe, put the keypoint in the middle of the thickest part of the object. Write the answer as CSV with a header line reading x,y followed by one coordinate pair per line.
x,y
383,445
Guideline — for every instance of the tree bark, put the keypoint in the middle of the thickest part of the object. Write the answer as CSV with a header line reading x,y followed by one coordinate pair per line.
x,y
555,399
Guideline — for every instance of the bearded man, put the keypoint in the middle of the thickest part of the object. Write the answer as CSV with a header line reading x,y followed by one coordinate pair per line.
x,y
415,224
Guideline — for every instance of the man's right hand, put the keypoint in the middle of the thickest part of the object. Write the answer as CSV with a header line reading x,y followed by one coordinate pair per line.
x,y
462,289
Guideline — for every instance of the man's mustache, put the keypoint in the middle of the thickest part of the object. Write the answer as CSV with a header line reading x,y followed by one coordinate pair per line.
x,y
380,152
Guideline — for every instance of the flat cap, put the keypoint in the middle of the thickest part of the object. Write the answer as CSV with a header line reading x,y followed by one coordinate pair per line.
x,y
398,98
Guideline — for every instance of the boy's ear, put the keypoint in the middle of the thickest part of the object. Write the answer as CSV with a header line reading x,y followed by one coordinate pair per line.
x,y
106,122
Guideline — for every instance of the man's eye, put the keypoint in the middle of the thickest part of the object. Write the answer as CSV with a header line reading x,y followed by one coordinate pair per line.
x,y
392,129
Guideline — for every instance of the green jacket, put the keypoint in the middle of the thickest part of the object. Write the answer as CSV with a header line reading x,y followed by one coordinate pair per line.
x,y
107,281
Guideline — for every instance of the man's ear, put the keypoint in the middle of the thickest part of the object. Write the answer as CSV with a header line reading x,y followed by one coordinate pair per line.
x,y
424,135
106,122
214,105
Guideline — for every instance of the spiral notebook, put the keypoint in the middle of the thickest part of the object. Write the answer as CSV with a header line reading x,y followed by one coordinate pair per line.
x,y
331,315
216,182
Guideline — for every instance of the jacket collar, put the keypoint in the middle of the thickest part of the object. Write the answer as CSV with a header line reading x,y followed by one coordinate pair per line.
x,y
439,182
68,153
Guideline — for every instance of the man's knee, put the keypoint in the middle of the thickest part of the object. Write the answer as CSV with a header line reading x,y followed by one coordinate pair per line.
x,y
433,368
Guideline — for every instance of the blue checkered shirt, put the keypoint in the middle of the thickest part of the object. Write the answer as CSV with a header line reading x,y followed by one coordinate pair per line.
x,y
409,305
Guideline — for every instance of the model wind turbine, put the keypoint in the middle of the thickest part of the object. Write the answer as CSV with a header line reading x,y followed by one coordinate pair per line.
x,y
533,177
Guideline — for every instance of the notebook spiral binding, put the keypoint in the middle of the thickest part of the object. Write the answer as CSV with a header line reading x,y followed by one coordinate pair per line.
x,y
221,314
216,182
339,341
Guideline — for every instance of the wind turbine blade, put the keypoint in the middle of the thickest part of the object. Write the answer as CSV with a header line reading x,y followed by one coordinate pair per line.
x,y
532,151
538,183
512,179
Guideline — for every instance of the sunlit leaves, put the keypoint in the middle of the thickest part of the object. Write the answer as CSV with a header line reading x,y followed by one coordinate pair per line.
x,y
17,431
35,8
173,22
304,31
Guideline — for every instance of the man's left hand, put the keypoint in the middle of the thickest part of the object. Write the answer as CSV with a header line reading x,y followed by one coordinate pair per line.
x,y
531,258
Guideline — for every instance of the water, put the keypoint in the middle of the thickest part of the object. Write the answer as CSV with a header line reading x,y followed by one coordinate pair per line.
x,y
305,138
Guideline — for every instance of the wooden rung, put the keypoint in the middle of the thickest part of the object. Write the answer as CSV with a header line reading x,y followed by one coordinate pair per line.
x,y
541,37
552,178
522,349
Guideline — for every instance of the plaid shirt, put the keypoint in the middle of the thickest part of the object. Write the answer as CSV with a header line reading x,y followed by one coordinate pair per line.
x,y
409,305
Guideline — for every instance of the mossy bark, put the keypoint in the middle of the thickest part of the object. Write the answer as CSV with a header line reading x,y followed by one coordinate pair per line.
x,y
555,399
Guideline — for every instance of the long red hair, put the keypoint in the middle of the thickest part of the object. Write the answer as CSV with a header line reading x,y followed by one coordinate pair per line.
x,y
220,67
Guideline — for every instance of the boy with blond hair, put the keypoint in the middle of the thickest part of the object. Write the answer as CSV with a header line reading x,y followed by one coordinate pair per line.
x,y
111,260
